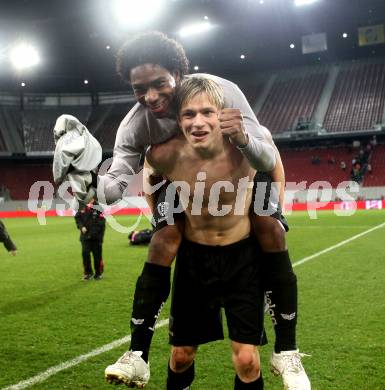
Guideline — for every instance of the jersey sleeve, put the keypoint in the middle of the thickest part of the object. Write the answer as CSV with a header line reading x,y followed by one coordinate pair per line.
x,y
258,151
127,159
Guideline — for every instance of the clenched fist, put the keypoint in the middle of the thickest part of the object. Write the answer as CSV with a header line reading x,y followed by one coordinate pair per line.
x,y
231,122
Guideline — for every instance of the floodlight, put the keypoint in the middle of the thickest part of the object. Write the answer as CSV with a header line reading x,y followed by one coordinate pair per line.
x,y
345,35
196,67
132,14
194,29
292,46
303,2
242,56
24,56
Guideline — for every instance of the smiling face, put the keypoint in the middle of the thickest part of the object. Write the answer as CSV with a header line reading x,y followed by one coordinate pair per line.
x,y
199,121
154,87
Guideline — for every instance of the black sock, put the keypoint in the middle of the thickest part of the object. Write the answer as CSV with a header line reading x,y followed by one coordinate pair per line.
x,y
181,380
281,296
151,292
256,385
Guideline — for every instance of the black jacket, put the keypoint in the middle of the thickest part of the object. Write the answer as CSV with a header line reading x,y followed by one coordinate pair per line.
x,y
5,239
93,220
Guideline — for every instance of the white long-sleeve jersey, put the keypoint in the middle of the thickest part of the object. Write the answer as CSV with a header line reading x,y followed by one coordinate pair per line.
x,y
140,129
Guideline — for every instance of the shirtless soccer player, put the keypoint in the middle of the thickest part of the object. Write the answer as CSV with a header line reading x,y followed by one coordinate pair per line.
x,y
217,262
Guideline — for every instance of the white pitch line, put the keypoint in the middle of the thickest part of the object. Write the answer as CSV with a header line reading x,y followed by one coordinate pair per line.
x,y
70,363
117,343
306,259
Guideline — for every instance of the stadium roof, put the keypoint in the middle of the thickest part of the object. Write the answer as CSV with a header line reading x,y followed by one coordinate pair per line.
x,y
72,37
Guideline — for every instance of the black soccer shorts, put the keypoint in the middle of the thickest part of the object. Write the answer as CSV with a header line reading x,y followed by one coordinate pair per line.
x,y
208,278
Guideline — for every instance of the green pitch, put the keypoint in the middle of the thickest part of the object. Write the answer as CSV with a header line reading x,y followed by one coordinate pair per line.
x,y
49,316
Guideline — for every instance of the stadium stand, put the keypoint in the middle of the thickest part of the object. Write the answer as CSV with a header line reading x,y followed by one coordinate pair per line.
x,y
377,175
3,146
18,178
294,95
11,128
11,116
310,165
104,122
358,98
39,122
318,164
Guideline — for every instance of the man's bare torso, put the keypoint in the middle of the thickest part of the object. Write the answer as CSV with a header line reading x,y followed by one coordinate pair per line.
x,y
219,199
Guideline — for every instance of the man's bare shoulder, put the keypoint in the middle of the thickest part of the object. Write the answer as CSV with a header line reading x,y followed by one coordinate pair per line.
x,y
163,156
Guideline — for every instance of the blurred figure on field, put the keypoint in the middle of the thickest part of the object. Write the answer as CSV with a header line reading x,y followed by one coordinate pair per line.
x,y
139,237
6,240
76,158
91,223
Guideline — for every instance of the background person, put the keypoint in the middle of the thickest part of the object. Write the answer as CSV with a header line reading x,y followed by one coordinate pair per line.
x,y
6,240
77,155
91,223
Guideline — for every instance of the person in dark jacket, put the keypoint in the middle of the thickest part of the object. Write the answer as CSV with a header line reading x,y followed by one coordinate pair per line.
x,y
6,240
91,223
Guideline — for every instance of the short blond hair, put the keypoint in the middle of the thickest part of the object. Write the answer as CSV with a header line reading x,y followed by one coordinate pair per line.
x,y
192,86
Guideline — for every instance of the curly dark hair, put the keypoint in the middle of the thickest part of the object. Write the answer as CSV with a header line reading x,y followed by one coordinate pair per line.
x,y
151,48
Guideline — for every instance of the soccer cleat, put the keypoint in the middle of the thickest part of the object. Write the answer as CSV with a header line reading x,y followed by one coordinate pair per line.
x,y
87,276
98,277
129,369
288,365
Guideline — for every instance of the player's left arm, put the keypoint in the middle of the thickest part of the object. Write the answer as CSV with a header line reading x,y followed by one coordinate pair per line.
x,y
239,122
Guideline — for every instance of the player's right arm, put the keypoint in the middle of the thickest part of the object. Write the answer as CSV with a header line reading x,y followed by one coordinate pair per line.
x,y
126,162
129,150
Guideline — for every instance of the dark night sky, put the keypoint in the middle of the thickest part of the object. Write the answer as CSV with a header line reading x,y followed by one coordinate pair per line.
x,y
72,36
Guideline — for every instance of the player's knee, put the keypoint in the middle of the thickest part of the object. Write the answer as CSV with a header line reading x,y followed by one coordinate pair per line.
x,y
246,364
278,235
166,242
270,234
182,358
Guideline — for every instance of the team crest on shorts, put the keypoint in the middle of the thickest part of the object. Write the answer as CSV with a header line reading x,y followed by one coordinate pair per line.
x,y
163,208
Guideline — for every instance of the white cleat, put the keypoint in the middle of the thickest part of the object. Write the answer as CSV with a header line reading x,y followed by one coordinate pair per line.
x,y
129,369
288,365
